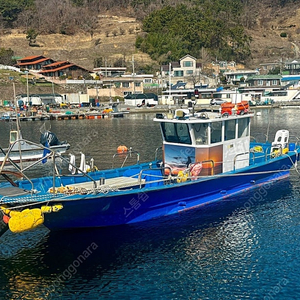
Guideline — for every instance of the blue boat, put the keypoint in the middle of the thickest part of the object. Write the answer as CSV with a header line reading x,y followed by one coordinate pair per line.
x,y
206,157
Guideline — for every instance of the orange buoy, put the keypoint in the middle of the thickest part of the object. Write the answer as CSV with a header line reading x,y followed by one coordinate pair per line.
x,y
6,219
122,149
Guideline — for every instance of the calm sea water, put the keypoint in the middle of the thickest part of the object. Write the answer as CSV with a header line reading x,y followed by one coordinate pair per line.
x,y
246,247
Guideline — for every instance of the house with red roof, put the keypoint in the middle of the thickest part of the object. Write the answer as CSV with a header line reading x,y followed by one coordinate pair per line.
x,y
35,62
51,68
61,68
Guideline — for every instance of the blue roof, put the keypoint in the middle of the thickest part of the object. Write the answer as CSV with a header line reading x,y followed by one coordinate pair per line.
x,y
290,78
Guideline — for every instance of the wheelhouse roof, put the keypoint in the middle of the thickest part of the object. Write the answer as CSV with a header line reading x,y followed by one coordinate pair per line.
x,y
212,117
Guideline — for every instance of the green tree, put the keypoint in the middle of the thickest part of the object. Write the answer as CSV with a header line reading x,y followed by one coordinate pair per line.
x,y
213,25
10,9
31,36
6,56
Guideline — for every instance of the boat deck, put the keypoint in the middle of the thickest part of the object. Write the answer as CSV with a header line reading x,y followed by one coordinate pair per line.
x,y
117,182
13,191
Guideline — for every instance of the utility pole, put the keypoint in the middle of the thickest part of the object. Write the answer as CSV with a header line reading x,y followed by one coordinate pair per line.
x,y
169,82
133,75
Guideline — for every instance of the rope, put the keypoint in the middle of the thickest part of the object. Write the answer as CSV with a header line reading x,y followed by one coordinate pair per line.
x,y
42,199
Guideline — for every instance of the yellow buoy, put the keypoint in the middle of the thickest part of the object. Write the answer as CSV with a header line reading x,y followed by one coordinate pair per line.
x,y
25,220
182,176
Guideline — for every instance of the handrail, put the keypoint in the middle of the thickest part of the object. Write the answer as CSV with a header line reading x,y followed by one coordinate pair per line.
x,y
267,151
296,138
235,158
85,174
253,156
52,153
156,150
161,180
213,165
128,154
7,158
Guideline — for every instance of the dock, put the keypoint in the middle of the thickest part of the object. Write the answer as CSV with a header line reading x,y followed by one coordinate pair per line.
x,y
63,116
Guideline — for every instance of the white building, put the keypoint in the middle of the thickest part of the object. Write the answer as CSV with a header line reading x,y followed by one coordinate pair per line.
x,y
186,69
234,77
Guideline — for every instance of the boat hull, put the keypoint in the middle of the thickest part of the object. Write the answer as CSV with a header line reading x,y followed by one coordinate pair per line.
x,y
126,207
31,155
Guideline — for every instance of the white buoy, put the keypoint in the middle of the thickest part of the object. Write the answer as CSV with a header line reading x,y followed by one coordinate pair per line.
x,y
72,169
82,168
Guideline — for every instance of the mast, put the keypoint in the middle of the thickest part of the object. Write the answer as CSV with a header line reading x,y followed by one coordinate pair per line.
x,y
19,136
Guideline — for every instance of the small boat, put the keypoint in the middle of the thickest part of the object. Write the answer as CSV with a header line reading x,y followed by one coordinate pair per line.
x,y
206,157
116,113
22,151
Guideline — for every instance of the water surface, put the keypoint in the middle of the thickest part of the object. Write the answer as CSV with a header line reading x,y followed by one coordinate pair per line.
x,y
246,247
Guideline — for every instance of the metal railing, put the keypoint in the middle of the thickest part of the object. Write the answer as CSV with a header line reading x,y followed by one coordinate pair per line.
x,y
126,155
240,154
52,154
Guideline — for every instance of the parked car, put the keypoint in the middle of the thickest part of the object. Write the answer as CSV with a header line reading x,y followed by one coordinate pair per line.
x,y
217,101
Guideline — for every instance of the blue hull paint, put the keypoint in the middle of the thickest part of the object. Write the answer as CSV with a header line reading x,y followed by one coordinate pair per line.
x,y
131,207
206,158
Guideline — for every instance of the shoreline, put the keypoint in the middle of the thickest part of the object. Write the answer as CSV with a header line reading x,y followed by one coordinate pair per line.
x,y
126,109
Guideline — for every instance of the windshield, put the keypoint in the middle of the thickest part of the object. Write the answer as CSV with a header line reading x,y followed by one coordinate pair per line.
x,y
176,133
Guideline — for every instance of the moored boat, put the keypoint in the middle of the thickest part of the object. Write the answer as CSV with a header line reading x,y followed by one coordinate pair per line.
x,y
206,157
21,151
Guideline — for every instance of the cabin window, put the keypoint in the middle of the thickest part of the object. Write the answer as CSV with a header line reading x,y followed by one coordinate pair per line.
x,y
243,127
13,136
216,132
229,130
201,133
176,133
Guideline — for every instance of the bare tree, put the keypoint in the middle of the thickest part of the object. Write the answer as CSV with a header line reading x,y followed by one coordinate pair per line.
x,y
194,79
64,17
122,31
89,22
26,19
205,57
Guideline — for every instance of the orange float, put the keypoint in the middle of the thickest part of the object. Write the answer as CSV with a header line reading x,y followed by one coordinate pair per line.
x,y
122,149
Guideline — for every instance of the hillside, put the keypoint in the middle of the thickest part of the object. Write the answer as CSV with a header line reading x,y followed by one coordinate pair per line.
x,y
267,44
82,49
115,37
